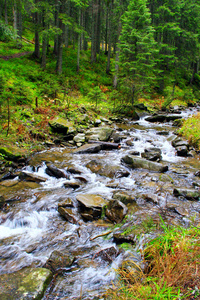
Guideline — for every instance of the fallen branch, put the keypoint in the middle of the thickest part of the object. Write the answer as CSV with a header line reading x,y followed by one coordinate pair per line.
x,y
100,235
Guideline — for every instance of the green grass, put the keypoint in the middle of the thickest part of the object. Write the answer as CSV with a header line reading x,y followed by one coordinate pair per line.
x,y
191,130
172,261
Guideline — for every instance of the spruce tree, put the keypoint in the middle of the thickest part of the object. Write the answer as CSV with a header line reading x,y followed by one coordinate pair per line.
x,y
137,47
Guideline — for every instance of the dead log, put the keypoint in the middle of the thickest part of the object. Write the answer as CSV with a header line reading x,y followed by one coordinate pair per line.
x,y
105,145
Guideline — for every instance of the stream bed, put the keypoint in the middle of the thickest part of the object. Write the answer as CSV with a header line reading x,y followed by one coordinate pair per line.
x,y
83,261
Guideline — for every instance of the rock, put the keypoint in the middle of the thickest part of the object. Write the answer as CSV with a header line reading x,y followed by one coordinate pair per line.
x,y
190,194
97,122
197,173
90,206
2,201
68,214
99,133
60,125
84,119
66,203
116,211
125,234
91,200
124,197
25,284
151,197
73,170
72,184
153,154
163,132
59,260
181,146
116,137
140,106
88,148
26,176
107,170
79,138
51,170
108,254
137,163
182,211
162,118
182,151
10,153
129,142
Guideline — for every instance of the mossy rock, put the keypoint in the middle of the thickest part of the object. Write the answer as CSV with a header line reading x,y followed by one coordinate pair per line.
x,y
60,125
28,283
11,154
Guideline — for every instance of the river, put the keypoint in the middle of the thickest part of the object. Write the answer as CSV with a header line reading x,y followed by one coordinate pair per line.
x,y
31,227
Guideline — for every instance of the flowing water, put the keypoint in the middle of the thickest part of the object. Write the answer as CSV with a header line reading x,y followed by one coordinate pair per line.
x,y
31,227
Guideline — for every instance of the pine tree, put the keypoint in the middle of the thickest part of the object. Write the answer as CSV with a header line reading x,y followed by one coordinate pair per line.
x,y
137,46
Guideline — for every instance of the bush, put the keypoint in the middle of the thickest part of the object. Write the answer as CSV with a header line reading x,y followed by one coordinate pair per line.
x,y
7,33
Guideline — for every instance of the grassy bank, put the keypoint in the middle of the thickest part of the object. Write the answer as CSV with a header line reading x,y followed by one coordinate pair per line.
x,y
172,268
191,130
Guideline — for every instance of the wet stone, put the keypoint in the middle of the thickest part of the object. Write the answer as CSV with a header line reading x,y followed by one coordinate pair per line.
x,y
72,184
116,211
68,214
124,197
108,254
26,176
51,170
59,260
190,194
153,154
88,148
25,284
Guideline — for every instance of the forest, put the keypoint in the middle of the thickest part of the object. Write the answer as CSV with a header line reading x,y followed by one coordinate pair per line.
x,y
70,70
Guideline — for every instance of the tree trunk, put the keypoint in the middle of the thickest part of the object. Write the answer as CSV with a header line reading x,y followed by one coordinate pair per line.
x,y
117,59
37,41
109,39
79,42
56,22
6,12
44,52
60,42
15,16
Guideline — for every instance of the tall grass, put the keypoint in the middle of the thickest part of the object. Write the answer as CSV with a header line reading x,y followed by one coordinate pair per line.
x,y
172,271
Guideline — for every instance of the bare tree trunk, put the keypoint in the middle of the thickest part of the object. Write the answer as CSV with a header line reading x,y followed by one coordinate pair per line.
x,y
15,16
6,12
79,42
60,42
44,52
56,22
115,80
37,41
109,39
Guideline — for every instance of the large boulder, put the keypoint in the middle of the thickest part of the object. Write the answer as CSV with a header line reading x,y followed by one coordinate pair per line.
x,y
60,125
25,284
116,211
140,163
107,170
90,205
99,133
11,153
